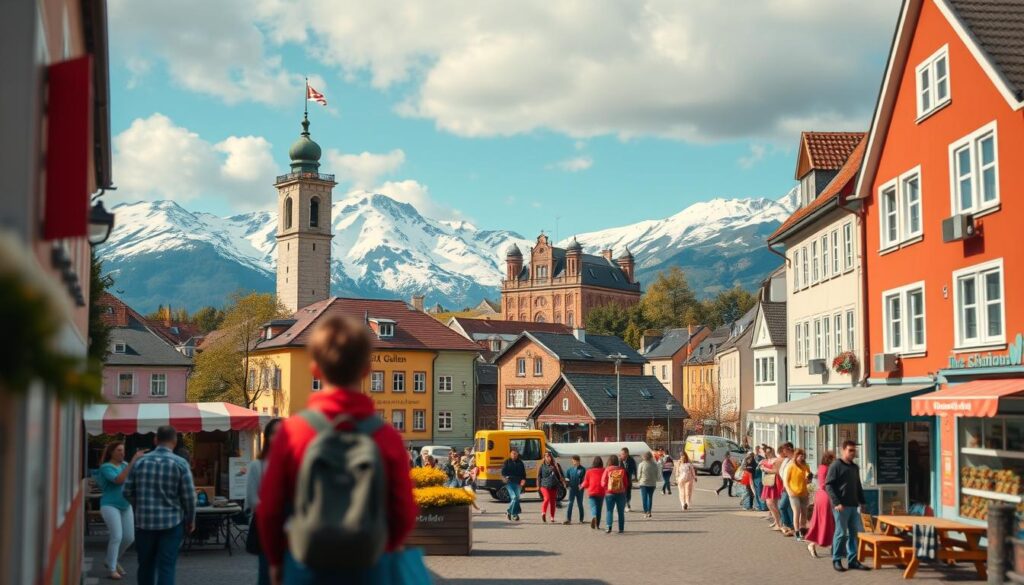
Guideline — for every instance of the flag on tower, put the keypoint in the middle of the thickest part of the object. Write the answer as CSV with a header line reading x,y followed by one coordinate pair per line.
x,y
313,95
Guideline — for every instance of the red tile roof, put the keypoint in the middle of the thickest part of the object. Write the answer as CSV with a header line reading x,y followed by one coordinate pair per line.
x,y
498,327
842,183
413,329
829,150
115,313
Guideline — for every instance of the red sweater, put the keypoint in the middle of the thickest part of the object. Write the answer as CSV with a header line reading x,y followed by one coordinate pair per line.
x,y
592,482
277,489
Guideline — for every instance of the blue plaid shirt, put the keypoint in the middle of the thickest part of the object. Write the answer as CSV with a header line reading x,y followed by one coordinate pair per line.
x,y
161,484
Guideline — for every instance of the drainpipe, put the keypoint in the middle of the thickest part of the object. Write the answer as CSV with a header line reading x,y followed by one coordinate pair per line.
x,y
862,283
779,254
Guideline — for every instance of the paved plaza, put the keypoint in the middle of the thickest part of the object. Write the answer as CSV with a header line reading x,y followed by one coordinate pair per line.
x,y
714,542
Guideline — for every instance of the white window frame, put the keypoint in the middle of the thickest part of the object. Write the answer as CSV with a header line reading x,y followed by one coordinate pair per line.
x,y
807,341
930,66
317,385
398,381
806,278
120,347
848,246
565,405
444,384
398,421
799,344
122,376
836,262
521,367
907,346
538,366
387,330
377,381
826,258
419,383
419,420
815,266
154,382
837,326
796,270
901,214
444,420
826,333
818,349
533,397
889,214
520,398
972,143
978,272
851,328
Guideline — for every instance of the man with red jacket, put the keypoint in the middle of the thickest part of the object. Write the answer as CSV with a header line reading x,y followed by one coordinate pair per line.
x,y
340,348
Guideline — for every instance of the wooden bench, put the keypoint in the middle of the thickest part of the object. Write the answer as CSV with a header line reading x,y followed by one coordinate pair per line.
x,y
907,558
884,549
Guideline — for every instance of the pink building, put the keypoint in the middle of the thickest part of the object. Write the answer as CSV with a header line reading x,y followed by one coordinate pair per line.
x,y
141,366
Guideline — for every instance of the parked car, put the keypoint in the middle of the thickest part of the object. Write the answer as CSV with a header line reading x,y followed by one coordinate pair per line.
x,y
438,452
707,452
587,451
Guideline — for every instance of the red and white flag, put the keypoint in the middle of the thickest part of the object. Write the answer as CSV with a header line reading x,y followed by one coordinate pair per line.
x,y
313,95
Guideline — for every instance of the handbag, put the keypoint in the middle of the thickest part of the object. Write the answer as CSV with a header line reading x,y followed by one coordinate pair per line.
x,y
769,478
740,473
252,537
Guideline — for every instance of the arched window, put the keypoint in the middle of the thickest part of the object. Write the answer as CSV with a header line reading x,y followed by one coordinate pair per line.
x,y
314,212
538,318
570,320
288,213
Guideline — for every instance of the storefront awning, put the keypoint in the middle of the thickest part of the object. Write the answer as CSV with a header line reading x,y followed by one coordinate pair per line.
x,y
978,398
872,404
186,417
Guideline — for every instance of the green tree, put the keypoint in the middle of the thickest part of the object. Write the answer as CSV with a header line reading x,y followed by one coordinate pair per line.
x,y
730,305
99,332
208,319
228,369
608,320
668,298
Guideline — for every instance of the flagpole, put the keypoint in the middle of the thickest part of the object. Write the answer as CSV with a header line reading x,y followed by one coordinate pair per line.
x,y
305,102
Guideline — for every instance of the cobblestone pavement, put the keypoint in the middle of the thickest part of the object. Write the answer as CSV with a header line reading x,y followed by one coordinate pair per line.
x,y
714,542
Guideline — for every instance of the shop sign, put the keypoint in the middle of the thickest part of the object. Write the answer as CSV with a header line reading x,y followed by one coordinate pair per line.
x,y
1012,357
889,454
388,358
947,438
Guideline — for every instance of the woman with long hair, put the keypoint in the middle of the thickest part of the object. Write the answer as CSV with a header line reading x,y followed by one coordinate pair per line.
x,y
798,476
615,481
770,492
686,476
254,475
549,477
114,508
822,526
595,490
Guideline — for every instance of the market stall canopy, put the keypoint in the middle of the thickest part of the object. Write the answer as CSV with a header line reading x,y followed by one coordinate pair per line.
x,y
186,417
980,398
872,404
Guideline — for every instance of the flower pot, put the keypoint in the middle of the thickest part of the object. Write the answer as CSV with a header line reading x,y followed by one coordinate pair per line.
x,y
443,531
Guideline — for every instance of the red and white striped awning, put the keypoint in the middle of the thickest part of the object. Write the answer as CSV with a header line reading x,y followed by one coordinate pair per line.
x,y
186,417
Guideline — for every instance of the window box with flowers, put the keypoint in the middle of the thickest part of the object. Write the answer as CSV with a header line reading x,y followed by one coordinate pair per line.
x,y
845,363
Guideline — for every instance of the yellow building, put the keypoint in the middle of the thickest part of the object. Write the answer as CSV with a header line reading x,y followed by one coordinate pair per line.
x,y
700,379
416,366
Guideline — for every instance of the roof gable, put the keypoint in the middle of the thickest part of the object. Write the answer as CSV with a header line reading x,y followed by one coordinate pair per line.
x,y
824,150
565,347
642,397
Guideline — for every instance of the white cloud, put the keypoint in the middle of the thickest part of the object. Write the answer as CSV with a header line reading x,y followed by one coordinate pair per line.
x,y
757,152
156,159
573,165
364,170
687,70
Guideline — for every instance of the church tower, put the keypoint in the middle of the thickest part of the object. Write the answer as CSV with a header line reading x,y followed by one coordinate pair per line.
x,y
304,227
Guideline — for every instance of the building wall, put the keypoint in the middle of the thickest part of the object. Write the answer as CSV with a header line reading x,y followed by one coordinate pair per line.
x,y
509,380
674,378
813,301
555,299
296,381
460,402
699,384
177,382
908,143
388,401
767,394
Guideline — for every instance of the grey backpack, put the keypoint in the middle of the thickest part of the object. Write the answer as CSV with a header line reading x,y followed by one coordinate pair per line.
x,y
340,519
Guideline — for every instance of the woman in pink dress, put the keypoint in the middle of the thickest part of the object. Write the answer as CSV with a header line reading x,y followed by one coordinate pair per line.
x,y
822,525
772,490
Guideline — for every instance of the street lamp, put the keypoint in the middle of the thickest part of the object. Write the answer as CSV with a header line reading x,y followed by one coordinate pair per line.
x,y
618,357
668,422
101,222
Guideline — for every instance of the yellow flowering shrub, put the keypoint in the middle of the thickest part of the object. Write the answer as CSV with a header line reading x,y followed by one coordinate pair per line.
x,y
441,497
424,477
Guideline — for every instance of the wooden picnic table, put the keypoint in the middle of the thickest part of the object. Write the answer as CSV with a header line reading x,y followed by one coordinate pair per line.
x,y
949,549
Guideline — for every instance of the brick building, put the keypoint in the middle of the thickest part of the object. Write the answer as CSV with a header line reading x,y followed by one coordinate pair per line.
x,y
562,285
533,363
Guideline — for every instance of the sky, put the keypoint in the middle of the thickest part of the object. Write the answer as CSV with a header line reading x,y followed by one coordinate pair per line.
x,y
566,116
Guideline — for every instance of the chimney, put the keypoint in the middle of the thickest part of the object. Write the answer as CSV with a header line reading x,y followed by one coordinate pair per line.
x,y
690,329
580,334
417,302
649,338
607,253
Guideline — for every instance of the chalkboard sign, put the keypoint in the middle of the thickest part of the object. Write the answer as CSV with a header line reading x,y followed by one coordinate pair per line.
x,y
871,497
890,454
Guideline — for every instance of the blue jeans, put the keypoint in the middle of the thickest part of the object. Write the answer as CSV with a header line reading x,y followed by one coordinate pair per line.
x,y
666,487
785,511
515,491
747,497
847,527
616,502
647,497
158,554
758,486
575,497
596,503
263,575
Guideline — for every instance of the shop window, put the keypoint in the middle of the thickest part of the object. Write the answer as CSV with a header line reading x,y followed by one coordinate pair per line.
x,y
991,463
979,317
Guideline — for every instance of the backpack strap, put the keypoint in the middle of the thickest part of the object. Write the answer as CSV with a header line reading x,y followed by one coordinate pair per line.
x,y
321,423
317,420
369,425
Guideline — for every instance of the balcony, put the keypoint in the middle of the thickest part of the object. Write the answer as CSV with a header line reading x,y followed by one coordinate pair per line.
x,y
304,175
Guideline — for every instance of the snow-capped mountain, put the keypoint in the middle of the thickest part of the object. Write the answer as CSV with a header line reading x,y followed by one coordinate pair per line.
x,y
160,253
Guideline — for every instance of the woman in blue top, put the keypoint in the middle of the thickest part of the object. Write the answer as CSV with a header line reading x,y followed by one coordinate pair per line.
x,y
115,509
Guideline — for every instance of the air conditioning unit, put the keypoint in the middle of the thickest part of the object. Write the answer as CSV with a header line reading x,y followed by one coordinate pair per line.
x,y
959,227
886,362
816,367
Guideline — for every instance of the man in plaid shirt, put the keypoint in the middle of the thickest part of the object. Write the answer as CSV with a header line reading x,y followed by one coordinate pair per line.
x,y
165,507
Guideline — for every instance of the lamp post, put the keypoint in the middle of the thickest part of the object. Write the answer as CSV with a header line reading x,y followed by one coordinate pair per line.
x,y
101,222
618,357
668,422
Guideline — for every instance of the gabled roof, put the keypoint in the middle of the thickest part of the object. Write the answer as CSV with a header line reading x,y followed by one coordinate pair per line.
x,y
704,353
826,151
841,184
484,327
643,397
116,313
992,30
775,321
671,342
143,347
566,347
413,329
594,271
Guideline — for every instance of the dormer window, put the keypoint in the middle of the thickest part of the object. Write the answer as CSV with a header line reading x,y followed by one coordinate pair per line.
x,y
495,345
807,190
386,330
542,271
120,347
933,82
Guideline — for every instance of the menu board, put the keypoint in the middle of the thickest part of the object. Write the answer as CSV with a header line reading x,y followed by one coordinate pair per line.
x,y
237,469
890,454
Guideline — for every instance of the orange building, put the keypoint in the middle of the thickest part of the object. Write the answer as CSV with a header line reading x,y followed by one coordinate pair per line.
x,y
562,285
942,209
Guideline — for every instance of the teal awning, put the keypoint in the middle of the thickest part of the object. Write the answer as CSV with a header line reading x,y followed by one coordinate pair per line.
x,y
871,404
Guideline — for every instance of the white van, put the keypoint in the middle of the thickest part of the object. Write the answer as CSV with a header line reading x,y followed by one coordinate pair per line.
x,y
587,451
707,452
438,452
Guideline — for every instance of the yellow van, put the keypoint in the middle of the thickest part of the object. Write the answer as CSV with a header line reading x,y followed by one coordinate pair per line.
x,y
492,449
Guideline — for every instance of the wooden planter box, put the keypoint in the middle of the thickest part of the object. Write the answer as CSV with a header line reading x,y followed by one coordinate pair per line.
x,y
443,531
